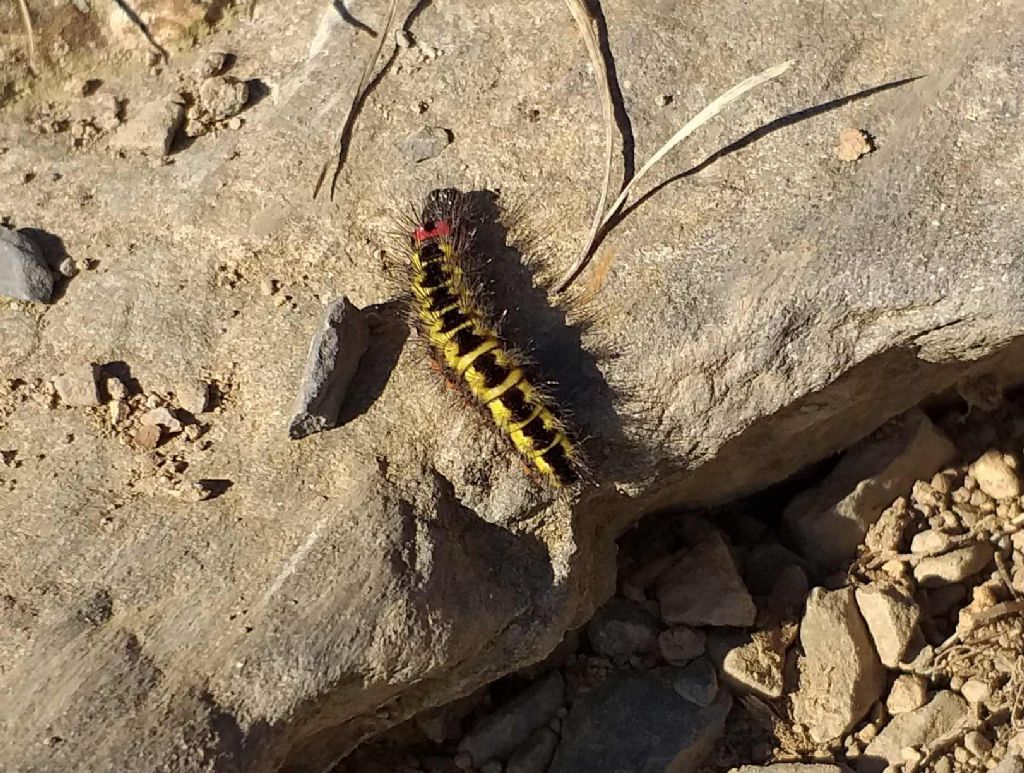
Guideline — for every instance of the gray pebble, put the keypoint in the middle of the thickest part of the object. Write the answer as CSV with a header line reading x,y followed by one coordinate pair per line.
x,y
334,355
24,274
425,143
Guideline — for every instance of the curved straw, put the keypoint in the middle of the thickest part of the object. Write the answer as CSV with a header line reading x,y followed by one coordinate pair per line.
x,y
705,115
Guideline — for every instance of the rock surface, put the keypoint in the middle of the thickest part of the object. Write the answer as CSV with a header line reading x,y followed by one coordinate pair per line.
x,y
638,724
831,520
791,767
535,753
954,566
944,712
152,127
840,674
757,666
502,731
621,628
24,275
892,619
704,588
404,559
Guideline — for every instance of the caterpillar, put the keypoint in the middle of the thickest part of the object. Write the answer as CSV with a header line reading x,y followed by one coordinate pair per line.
x,y
449,314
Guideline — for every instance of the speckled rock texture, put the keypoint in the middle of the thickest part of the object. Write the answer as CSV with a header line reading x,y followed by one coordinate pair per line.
x,y
763,312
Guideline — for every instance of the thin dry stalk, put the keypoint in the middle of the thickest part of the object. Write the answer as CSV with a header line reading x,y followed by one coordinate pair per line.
x,y
585,21
705,115
364,82
26,19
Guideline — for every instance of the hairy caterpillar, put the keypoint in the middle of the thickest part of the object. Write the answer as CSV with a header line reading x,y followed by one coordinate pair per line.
x,y
451,318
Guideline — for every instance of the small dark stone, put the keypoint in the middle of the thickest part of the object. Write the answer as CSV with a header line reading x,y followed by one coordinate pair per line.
x,y
24,274
334,355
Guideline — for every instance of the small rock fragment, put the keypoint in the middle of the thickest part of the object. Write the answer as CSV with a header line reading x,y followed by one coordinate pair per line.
x,y
425,143
942,714
977,744
892,619
976,691
499,734
193,396
148,436
704,588
853,143
24,274
697,682
954,566
77,387
622,628
67,268
333,357
840,673
403,39
116,388
535,753
930,541
909,693
221,97
757,666
152,129
117,410
831,520
996,474
681,644
210,65
161,417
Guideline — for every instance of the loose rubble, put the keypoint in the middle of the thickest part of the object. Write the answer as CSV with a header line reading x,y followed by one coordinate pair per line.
x,y
906,660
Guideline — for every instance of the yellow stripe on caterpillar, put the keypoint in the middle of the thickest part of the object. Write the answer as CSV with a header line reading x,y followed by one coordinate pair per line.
x,y
460,336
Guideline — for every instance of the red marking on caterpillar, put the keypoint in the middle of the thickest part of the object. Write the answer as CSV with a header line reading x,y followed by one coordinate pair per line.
x,y
431,230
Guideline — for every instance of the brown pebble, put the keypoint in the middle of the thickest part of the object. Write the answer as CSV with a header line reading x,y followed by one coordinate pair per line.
x,y
148,436
853,143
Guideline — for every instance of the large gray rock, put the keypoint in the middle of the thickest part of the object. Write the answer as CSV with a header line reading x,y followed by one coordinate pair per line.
x,y
764,313
24,274
639,724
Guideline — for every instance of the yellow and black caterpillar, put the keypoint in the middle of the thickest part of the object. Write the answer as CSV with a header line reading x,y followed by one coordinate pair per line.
x,y
450,316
